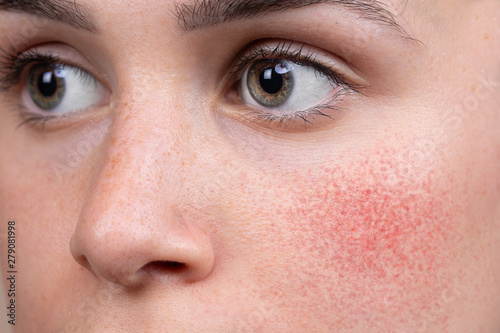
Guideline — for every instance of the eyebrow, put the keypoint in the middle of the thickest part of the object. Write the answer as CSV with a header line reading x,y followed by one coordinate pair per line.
x,y
206,13
65,11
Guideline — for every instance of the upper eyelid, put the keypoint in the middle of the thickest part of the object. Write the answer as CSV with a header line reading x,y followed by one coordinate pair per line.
x,y
301,53
12,73
14,62
261,49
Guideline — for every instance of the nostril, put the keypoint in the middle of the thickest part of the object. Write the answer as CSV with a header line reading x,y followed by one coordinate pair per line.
x,y
171,264
162,266
84,262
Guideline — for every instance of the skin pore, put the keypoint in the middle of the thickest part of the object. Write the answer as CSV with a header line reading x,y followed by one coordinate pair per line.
x,y
169,202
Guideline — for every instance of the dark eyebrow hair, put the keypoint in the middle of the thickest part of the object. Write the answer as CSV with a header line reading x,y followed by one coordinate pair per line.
x,y
65,11
206,13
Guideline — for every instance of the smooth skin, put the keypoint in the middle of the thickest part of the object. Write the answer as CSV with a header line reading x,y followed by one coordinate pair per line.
x,y
164,210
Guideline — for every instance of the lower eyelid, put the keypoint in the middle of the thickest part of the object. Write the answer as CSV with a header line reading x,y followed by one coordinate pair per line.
x,y
320,117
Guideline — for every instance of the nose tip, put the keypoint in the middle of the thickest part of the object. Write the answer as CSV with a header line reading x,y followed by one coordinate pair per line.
x,y
138,223
169,252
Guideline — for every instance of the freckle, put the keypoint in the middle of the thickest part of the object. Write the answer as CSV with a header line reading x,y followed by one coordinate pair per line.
x,y
116,161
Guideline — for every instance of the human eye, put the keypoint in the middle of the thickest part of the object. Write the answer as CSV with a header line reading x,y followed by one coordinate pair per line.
x,y
46,88
285,84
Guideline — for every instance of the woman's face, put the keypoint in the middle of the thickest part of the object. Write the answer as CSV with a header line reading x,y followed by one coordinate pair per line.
x,y
218,166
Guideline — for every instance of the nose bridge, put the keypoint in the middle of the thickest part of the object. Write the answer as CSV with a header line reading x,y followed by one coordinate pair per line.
x,y
150,130
131,216
134,164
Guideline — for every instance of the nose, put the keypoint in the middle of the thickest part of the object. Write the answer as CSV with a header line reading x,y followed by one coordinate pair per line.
x,y
133,228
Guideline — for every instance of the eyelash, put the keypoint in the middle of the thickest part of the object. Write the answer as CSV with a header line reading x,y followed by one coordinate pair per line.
x,y
286,51
13,64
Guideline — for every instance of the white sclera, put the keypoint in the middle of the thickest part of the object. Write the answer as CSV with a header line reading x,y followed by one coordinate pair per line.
x,y
310,87
83,91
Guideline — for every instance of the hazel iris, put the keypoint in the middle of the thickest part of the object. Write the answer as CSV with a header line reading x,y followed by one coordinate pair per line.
x,y
270,82
46,85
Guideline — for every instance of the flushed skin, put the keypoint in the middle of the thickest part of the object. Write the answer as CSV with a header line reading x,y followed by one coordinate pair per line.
x,y
384,218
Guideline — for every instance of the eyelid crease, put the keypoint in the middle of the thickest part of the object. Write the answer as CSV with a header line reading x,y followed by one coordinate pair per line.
x,y
300,54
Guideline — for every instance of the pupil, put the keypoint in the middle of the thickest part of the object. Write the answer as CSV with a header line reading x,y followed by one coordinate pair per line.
x,y
47,84
270,81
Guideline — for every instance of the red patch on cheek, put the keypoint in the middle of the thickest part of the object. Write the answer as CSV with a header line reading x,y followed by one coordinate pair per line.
x,y
374,226
378,230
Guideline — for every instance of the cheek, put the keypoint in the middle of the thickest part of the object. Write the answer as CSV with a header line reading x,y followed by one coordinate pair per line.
x,y
373,226
378,235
